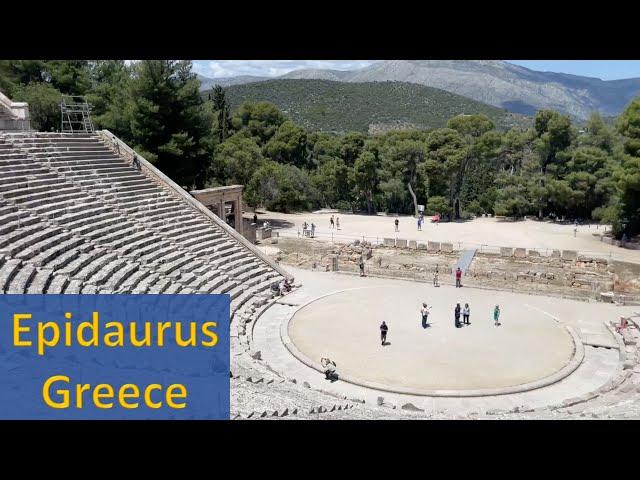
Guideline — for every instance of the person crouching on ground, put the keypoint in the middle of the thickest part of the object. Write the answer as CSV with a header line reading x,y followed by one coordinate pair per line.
x,y
285,286
329,367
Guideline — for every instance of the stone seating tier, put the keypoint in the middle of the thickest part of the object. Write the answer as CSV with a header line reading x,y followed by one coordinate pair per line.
x,y
75,217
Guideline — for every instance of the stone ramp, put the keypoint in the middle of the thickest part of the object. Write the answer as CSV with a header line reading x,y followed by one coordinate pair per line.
x,y
466,257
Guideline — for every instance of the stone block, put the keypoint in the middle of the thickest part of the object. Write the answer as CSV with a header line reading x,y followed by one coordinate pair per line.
x,y
413,244
555,254
506,252
389,242
520,253
422,246
533,253
433,246
446,247
401,243
569,255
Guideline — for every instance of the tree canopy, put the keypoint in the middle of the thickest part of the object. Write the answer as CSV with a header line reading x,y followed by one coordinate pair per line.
x,y
469,167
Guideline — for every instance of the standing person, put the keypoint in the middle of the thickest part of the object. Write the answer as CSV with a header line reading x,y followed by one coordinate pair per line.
x,y
338,223
361,264
255,219
435,279
418,223
313,230
383,332
456,315
331,223
496,315
458,277
424,312
397,222
466,311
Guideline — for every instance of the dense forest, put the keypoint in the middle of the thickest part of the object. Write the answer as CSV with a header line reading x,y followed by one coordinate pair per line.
x,y
468,167
331,106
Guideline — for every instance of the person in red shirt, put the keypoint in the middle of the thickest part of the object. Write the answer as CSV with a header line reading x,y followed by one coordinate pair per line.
x,y
458,277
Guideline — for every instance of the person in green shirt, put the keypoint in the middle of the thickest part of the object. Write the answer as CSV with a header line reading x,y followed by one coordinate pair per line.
x,y
496,315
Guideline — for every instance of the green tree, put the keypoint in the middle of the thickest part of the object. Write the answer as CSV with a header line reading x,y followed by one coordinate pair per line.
x,y
366,178
166,119
280,188
288,145
554,135
70,77
44,105
222,126
438,205
261,119
109,96
331,180
240,156
628,175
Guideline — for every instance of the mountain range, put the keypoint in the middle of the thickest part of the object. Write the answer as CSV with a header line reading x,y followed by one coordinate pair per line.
x,y
498,83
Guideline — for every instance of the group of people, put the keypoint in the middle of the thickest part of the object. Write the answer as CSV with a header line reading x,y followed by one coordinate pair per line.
x,y
329,366
281,288
334,223
458,312
308,230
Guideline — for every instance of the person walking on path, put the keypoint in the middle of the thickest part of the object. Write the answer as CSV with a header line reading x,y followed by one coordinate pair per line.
x,y
419,224
361,266
313,230
458,277
456,315
435,278
383,332
466,311
424,312
496,316
397,222
255,219
331,223
338,223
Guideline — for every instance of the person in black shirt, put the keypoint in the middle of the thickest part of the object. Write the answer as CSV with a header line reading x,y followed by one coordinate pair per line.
x,y
255,218
383,332
456,314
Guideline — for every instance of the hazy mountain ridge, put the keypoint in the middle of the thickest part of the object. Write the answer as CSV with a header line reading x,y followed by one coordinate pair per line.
x,y
495,82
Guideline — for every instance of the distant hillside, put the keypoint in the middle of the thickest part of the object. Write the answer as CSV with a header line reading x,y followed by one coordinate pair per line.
x,y
371,106
498,83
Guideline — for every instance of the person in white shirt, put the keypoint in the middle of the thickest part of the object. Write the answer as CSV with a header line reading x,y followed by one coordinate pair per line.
x,y
424,312
466,311
329,369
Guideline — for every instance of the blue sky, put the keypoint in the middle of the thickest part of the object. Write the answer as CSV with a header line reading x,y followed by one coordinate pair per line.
x,y
604,69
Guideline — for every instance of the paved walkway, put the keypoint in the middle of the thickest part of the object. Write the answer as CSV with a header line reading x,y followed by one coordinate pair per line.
x,y
598,366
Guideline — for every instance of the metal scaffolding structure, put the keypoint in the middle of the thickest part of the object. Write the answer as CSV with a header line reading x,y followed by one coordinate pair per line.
x,y
75,115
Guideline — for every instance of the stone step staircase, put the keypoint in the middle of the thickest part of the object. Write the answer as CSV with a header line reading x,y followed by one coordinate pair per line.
x,y
76,217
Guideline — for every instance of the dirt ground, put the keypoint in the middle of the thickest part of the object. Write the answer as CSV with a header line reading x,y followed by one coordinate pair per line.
x,y
528,234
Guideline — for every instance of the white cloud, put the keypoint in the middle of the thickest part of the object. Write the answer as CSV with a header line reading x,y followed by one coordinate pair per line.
x,y
269,68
